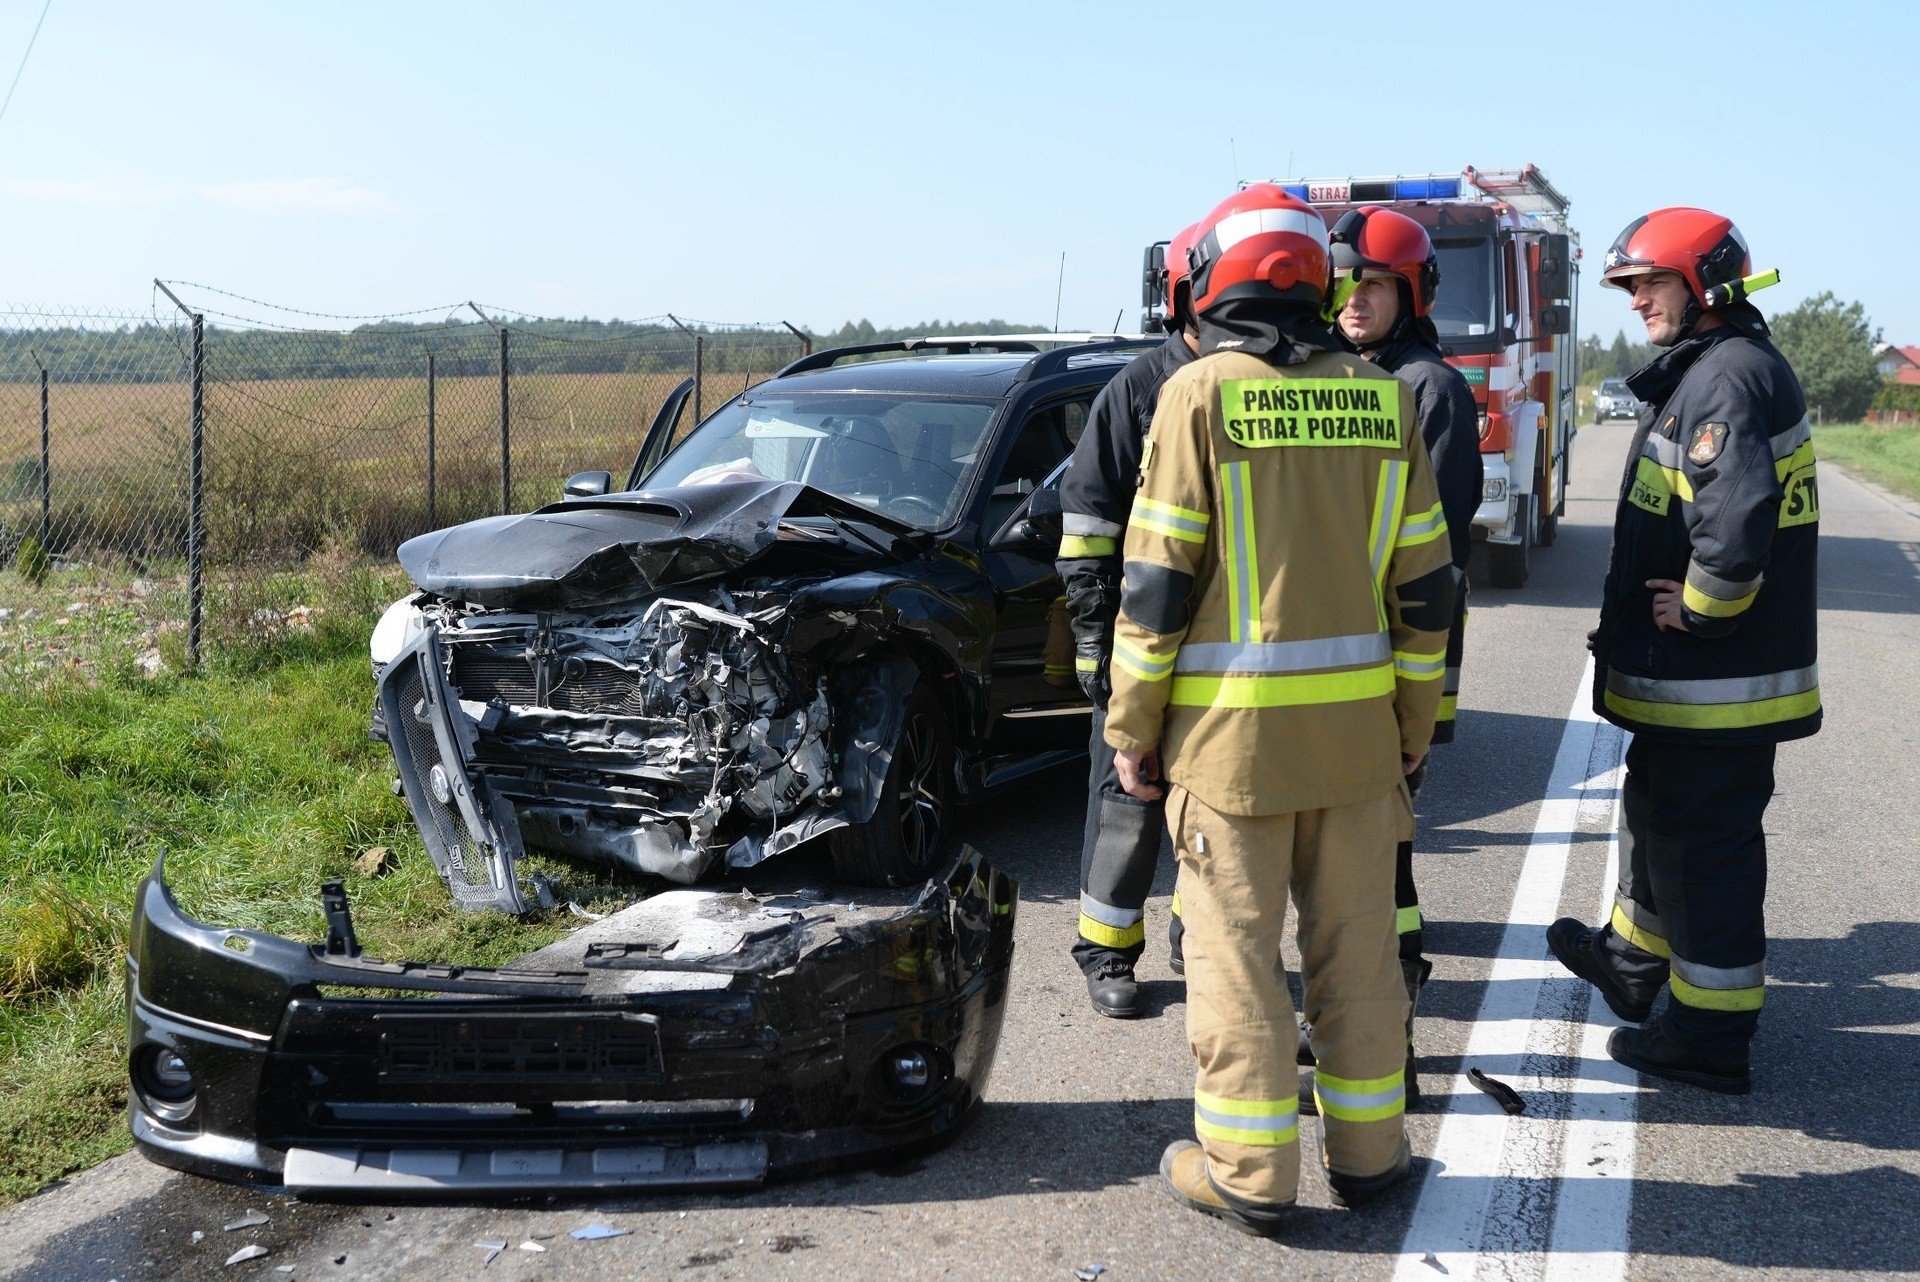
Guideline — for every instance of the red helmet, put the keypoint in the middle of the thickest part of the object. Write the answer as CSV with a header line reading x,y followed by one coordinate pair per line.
x,y
1705,248
1177,271
1259,239
1372,239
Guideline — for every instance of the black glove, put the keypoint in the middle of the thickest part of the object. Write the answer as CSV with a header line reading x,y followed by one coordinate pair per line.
x,y
1094,681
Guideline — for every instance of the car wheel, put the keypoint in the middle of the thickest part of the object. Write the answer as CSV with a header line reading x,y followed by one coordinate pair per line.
x,y
901,844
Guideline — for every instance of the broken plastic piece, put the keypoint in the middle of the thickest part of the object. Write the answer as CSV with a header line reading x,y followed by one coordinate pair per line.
x,y
198,1235
595,1232
531,1245
583,914
543,891
251,1252
1432,1261
341,941
247,1221
492,1244
1088,1272
1503,1094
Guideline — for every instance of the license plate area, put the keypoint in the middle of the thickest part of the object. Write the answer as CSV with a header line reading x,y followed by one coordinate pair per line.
x,y
518,1048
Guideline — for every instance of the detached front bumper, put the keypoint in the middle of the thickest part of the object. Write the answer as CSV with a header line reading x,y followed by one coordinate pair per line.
x,y
697,1038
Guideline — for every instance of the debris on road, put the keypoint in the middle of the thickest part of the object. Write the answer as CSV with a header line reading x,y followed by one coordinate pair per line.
x,y
595,1232
198,1236
531,1245
1088,1272
1503,1094
1432,1261
251,1219
245,1253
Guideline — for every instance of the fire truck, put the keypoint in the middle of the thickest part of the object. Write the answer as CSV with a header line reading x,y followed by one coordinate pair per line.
x,y
1505,311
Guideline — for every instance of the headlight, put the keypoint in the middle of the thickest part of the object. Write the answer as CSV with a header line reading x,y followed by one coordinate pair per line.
x,y
399,625
1495,489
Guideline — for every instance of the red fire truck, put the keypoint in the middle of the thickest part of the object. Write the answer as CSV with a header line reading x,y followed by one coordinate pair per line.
x,y
1505,312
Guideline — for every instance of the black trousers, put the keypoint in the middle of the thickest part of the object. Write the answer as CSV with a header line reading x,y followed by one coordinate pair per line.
x,y
1117,857
1693,886
1406,899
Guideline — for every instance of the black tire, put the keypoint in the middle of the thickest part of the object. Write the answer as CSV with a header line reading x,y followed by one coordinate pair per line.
x,y
902,844
1546,524
1508,564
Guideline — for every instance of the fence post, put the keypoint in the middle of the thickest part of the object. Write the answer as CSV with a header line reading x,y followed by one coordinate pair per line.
x,y
699,362
196,523
506,429
432,457
46,468
806,339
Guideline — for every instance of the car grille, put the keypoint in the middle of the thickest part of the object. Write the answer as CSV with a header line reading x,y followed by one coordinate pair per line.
x,y
569,1047
579,684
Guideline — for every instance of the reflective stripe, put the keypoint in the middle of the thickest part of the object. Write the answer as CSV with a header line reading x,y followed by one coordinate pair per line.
x,y
1715,690
1388,499
1098,932
1107,914
1084,663
1407,920
1372,1099
1073,545
1262,1123
1666,453
1801,457
1081,523
1285,656
1283,691
1057,669
1729,988
1176,902
1168,519
1449,708
1709,594
1234,228
1788,442
1144,664
1641,937
1423,528
1716,716
1420,667
1453,680
1243,563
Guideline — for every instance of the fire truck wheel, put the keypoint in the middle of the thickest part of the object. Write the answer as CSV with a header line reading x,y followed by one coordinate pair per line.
x,y
1546,525
1510,563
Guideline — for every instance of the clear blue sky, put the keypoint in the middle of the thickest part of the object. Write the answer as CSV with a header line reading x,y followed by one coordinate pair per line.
x,y
819,162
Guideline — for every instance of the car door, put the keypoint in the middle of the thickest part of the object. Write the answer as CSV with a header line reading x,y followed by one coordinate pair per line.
x,y
1034,698
661,435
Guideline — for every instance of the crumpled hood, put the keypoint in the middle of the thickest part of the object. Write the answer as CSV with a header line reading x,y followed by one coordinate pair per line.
x,y
597,549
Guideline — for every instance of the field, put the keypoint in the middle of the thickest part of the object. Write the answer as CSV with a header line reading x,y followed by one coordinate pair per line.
x,y
257,780
1888,455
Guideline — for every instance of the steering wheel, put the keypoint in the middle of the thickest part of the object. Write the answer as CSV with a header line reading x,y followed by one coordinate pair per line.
x,y
934,513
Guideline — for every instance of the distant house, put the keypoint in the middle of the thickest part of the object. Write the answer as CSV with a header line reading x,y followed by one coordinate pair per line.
x,y
1899,364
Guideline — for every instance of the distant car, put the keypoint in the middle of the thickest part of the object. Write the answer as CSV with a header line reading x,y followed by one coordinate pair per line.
x,y
1614,400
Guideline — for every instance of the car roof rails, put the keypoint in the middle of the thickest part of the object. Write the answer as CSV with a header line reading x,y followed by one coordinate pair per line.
x,y
951,346
1060,359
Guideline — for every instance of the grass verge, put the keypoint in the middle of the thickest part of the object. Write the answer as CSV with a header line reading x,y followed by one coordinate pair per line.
x,y
1886,454
257,779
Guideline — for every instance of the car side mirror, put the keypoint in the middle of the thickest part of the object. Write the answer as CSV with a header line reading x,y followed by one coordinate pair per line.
x,y
1556,318
1035,528
587,485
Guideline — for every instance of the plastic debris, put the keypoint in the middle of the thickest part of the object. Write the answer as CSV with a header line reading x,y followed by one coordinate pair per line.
x,y
541,1235
1432,1261
283,1268
492,1244
245,1253
1088,1272
198,1236
595,1232
340,1258
583,914
1503,1094
250,1220
531,1245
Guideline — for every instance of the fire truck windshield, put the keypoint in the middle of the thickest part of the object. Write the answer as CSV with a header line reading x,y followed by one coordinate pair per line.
x,y
1464,306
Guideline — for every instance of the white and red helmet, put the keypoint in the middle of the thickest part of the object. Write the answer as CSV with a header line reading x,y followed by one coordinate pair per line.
x,y
1259,242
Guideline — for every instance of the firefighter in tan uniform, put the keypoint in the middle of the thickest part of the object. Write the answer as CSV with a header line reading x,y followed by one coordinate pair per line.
x,y
1281,640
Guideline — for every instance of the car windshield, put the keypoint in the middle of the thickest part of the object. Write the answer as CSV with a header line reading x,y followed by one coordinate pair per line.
x,y
1463,307
908,457
1613,386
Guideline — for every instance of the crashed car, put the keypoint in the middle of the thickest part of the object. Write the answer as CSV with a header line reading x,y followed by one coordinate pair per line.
x,y
829,610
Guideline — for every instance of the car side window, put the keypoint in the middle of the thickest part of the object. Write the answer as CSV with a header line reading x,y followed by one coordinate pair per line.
x,y
1044,441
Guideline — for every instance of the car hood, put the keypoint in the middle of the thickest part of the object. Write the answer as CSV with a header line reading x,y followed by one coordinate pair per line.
x,y
583,551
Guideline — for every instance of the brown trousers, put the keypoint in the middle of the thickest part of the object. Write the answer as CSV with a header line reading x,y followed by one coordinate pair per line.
x,y
1235,872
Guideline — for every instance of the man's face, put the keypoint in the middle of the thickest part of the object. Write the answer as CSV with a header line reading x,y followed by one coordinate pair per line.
x,y
1369,315
1660,298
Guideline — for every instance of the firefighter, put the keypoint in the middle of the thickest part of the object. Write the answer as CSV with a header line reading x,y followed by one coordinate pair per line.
x,y
1122,841
1279,649
1384,262
1705,651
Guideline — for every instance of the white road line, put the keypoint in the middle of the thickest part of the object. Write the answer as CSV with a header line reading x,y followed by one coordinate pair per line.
x,y
1501,1191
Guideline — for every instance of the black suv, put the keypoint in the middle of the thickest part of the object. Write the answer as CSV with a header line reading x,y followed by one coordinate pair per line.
x,y
830,608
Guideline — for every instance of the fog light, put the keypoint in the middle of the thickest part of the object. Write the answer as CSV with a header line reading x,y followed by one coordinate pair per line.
x,y
166,1086
910,1070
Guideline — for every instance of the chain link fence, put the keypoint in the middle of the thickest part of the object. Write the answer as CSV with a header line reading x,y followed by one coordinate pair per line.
x,y
198,444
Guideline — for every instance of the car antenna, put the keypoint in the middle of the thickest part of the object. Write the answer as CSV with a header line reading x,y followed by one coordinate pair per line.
x,y
1058,289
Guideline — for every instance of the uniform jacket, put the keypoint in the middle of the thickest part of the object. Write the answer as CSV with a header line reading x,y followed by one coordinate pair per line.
x,y
1450,425
1288,587
1719,494
1097,491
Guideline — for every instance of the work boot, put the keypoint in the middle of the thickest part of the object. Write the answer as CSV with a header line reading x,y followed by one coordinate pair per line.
x,y
1112,987
1354,1191
1184,1165
1303,1054
1583,950
1415,974
1649,1050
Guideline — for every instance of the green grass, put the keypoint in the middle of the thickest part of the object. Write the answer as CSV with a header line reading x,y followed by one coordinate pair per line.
x,y
255,777
1888,454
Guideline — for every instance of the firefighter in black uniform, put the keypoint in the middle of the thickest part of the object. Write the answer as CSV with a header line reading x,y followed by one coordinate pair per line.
x,y
1384,265
1122,841
1706,651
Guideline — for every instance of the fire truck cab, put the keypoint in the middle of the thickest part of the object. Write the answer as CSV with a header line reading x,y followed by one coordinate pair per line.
x,y
1505,312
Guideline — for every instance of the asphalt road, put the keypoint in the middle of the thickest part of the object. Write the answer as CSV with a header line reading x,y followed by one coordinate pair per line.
x,y
1816,1174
